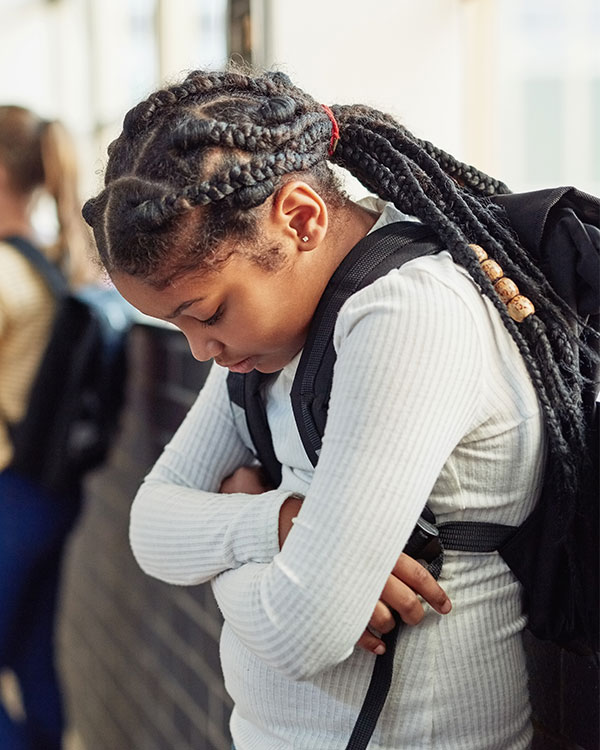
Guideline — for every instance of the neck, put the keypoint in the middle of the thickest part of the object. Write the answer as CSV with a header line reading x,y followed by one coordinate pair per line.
x,y
15,218
347,227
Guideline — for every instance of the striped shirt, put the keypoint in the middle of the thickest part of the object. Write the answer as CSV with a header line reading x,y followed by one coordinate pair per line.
x,y
26,313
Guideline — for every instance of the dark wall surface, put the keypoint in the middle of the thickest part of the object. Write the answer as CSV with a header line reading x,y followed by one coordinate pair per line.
x,y
141,658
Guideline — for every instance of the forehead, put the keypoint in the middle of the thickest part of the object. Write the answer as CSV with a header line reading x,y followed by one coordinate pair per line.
x,y
164,302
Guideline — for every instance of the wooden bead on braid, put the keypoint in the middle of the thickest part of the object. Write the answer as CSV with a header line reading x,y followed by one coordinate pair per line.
x,y
479,252
518,306
492,270
506,289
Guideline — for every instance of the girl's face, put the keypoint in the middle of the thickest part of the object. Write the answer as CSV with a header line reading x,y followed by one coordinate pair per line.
x,y
244,316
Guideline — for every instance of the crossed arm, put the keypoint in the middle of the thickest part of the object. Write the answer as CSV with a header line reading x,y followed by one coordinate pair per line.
x,y
408,581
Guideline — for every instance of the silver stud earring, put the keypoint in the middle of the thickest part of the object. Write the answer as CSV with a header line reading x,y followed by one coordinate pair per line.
x,y
305,238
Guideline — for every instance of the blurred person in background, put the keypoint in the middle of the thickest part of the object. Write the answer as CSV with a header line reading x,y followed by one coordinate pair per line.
x,y
36,157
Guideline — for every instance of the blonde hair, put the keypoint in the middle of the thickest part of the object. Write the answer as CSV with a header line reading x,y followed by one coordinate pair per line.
x,y
41,154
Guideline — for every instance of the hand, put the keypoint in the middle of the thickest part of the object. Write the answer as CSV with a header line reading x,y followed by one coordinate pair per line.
x,y
408,580
247,479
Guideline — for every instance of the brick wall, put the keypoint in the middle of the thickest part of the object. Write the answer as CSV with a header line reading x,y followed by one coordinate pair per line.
x,y
140,658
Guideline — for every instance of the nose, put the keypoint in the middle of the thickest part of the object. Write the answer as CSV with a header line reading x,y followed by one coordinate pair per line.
x,y
202,346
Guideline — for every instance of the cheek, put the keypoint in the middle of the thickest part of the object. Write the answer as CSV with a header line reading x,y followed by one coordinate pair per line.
x,y
256,320
276,319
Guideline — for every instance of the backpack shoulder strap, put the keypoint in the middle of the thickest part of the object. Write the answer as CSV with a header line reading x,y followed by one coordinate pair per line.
x,y
245,390
51,274
374,256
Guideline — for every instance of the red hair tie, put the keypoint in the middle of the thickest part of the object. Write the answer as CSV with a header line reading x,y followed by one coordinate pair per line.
x,y
335,130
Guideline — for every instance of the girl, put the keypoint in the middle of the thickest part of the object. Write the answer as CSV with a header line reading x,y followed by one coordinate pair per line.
x,y
36,157
221,213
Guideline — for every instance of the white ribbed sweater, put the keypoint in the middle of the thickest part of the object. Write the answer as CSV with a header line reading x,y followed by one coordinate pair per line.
x,y
430,402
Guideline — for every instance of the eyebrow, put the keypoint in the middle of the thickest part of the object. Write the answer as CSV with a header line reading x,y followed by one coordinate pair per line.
x,y
183,306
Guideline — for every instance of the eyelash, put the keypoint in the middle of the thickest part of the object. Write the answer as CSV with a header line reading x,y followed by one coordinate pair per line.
x,y
214,318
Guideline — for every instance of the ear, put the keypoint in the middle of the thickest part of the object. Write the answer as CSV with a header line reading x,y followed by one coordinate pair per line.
x,y
300,213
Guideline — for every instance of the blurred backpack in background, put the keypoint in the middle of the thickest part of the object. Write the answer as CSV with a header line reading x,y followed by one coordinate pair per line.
x,y
77,394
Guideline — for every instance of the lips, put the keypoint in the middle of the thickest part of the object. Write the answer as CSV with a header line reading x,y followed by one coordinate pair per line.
x,y
243,366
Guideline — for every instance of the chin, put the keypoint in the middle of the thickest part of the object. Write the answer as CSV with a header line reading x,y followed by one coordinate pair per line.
x,y
268,369
273,366
277,361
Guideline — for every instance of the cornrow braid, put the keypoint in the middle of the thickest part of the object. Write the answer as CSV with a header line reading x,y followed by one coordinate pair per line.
x,y
225,140
197,85
251,183
193,134
195,162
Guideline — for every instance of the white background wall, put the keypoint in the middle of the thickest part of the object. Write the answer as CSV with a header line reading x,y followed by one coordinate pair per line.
x,y
386,54
512,86
406,58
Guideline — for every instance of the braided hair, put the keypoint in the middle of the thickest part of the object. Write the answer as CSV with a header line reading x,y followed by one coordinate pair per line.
x,y
196,161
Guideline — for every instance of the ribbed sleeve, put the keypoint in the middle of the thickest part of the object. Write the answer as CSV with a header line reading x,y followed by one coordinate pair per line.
x,y
182,530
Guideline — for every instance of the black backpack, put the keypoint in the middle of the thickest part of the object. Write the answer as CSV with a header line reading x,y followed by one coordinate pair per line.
x,y
560,574
560,229
76,397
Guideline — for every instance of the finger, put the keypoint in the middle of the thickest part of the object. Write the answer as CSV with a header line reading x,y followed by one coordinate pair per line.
x,y
415,575
371,643
382,619
403,599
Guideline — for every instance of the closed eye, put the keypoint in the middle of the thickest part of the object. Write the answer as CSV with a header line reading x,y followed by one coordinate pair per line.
x,y
214,318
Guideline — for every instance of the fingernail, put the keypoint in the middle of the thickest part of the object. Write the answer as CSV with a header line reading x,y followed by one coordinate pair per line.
x,y
446,607
379,650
